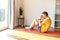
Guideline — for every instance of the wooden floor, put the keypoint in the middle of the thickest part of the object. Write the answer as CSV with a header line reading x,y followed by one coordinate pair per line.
x,y
17,34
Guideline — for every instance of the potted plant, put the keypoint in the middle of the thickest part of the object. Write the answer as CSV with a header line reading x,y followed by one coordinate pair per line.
x,y
21,13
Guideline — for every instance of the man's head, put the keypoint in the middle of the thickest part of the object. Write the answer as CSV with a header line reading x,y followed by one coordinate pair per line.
x,y
45,14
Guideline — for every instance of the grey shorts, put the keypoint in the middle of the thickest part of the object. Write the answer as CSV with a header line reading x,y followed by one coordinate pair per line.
x,y
38,27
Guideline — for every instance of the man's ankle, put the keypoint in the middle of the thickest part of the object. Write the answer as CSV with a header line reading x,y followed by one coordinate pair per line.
x,y
31,28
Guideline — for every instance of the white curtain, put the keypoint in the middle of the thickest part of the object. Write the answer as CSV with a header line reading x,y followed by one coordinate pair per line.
x,y
11,14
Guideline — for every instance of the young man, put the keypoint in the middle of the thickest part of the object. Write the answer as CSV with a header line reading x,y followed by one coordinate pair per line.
x,y
42,26
45,25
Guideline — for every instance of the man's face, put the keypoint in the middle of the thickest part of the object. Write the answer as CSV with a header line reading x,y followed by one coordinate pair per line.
x,y
43,15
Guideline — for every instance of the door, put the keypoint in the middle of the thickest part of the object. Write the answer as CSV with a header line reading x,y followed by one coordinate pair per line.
x,y
3,14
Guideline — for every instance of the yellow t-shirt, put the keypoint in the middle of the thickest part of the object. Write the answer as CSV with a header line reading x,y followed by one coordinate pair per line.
x,y
46,24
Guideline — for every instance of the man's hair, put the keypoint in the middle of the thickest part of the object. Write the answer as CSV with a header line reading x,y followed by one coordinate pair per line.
x,y
45,13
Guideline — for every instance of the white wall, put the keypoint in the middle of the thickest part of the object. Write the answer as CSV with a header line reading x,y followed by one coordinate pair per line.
x,y
33,9
18,4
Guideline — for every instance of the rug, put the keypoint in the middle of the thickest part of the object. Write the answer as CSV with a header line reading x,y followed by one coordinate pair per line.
x,y
51,34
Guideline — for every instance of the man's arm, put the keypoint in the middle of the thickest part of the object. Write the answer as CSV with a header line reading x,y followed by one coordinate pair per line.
x,y
42,23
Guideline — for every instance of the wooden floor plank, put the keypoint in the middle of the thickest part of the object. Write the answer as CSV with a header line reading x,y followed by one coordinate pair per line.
x,y
20,35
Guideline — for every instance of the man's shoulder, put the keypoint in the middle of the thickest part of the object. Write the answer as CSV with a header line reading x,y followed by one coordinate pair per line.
x,y
48,18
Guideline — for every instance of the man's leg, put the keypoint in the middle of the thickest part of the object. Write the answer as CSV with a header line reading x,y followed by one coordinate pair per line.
x,y
34,23
38,28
